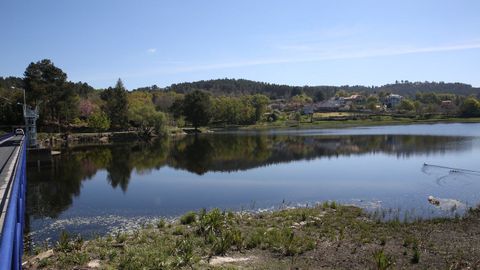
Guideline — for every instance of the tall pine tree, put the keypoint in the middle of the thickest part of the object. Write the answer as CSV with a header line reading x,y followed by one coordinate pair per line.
x,y
116,105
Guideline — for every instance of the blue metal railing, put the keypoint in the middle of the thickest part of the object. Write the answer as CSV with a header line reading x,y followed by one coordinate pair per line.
x,y
11,248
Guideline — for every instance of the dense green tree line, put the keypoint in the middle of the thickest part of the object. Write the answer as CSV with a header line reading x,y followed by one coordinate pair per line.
x,y
201,108
66,105
247,109
470,108
70,106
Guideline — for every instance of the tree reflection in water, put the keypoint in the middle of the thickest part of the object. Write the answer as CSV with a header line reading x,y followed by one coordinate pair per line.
x,y
52,187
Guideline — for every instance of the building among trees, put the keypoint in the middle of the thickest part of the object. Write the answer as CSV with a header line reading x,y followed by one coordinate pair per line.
x,y
393,100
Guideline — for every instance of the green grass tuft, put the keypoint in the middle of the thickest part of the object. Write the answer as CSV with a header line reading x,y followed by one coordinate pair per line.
x,y
188,218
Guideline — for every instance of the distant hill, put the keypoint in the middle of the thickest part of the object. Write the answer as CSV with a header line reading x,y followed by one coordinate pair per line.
x,y
274,91
410,88
241,86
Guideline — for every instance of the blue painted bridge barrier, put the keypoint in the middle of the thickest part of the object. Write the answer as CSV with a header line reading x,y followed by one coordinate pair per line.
x,y
11,248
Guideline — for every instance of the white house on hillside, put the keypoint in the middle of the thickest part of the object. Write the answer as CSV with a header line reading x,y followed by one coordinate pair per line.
x,y
393,100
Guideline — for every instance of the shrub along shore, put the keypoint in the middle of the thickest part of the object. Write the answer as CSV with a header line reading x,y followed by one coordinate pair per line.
x,y
325,236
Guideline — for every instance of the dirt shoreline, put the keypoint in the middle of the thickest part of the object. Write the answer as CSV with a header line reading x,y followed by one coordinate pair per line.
x,y
322,237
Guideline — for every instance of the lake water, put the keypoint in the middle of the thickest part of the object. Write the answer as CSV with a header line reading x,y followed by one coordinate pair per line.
x,y
97,189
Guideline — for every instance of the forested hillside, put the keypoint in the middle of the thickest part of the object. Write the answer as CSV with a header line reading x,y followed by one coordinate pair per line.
x,y
411,88
239,87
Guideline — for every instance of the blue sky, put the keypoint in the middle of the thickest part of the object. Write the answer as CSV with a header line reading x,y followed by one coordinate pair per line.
x,y
304,42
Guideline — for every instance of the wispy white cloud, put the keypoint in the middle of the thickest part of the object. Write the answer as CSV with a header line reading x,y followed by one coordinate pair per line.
x,y
152,50
324,55
179,67
331,34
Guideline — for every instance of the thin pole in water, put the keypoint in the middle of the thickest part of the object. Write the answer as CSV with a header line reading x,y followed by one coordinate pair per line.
x,y
450,168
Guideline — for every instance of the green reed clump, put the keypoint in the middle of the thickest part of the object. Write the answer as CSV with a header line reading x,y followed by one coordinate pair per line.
x,y
286,242
416,256
66,243
211,222
256,238
63,243
223,242
220,230
188,218
333,205
178,231
120,237
382,261
184,254
161,224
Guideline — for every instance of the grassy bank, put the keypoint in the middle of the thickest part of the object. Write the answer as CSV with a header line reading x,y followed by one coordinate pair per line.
x,y
325,236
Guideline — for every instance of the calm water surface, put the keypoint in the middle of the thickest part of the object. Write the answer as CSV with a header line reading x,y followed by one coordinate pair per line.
x,y
97,189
